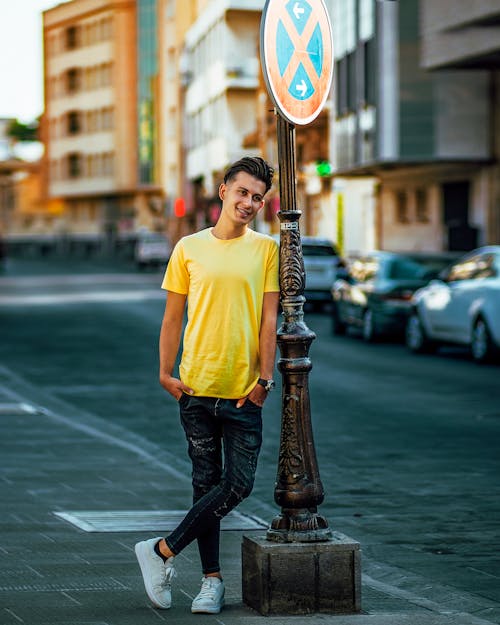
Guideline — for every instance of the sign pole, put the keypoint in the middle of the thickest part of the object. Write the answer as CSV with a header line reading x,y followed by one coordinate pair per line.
x,y
298,487
300,566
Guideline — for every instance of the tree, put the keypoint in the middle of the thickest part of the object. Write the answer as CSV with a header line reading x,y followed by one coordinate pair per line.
x,y
18,131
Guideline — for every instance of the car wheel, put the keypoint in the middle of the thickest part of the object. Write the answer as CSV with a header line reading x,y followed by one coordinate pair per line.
x,y
369,329
338,327
482,347
416,338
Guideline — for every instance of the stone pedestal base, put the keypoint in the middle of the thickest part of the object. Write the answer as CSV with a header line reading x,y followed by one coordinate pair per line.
x,y
302,578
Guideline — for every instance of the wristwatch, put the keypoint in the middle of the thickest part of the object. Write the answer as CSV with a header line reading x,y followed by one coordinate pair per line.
x,y
267,384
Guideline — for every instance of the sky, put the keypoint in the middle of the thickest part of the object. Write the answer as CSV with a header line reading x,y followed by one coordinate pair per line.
x,y
21,66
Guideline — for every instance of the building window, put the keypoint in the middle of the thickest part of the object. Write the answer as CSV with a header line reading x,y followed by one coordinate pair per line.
x,y
366,19
369,63
344,24
108,164
72,37
341,90
74,123
351,82
73,76
422,210
402,216
108,118
74,165
170,9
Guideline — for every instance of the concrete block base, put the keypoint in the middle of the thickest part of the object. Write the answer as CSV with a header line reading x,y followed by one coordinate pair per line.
x,y
301,578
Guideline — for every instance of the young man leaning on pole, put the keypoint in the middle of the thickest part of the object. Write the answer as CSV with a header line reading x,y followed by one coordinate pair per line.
x,y
228,275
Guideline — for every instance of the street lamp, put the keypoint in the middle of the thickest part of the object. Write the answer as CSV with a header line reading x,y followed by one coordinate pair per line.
x,y
301,566
298,487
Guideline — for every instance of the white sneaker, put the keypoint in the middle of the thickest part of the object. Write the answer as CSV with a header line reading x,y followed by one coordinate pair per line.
x,y
210,598
157,574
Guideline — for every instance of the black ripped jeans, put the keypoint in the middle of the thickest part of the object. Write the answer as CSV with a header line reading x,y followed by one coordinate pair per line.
x,y
216,430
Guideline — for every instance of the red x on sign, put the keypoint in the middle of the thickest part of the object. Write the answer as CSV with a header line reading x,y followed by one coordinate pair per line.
x,y
297,57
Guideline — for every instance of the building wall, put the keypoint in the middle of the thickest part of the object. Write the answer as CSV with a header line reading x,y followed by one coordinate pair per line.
x,y
90,121
462,103
433,129
21,198
221,98
175,17
90,141
147,90
352,216
461,37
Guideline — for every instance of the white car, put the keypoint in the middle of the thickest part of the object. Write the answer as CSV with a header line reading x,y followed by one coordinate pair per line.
x,y
461,308
321,263
152,248
321,260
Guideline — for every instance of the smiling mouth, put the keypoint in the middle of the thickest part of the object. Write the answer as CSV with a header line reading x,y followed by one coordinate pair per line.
x,y
243,212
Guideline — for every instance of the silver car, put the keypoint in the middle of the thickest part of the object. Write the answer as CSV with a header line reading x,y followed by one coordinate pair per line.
x,y
321,262
461,308
152,249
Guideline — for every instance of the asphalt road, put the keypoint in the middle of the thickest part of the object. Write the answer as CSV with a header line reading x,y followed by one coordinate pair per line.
x,y
408,446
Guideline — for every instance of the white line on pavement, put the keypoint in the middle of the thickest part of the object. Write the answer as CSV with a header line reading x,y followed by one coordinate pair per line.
x,y
78,298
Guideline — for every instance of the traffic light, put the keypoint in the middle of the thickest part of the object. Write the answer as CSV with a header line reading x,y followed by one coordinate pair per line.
x,y
179,207
324,168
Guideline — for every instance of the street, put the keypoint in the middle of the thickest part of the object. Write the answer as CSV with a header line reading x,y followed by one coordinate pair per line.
x,y
408,446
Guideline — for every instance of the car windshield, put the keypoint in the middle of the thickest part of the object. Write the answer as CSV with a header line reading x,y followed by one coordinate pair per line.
x,y
317,250
415,268
152,238
407,269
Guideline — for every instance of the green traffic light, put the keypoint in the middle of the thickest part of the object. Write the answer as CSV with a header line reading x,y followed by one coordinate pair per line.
x,y
324,168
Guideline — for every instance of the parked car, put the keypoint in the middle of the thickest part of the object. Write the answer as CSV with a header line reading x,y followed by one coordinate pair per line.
x,y
321,260
152,249
463,307
374,295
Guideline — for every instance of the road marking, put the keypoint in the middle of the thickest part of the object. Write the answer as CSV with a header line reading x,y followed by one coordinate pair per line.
x,y
84,278
78,298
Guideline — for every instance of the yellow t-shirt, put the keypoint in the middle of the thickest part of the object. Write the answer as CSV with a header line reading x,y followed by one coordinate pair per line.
x,y
225,282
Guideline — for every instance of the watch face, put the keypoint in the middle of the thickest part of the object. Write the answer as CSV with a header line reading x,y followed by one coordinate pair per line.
x,y
270,385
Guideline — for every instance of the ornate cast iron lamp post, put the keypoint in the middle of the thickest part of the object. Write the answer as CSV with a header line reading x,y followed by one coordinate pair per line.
x,y
298,487
297,53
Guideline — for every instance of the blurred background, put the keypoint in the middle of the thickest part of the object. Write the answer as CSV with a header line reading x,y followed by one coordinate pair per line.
x,y
145,102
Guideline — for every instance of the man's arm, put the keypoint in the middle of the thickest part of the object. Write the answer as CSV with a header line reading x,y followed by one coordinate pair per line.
x,y
170,338
267,347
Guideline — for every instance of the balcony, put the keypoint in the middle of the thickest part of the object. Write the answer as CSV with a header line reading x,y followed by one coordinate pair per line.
x,y
465,39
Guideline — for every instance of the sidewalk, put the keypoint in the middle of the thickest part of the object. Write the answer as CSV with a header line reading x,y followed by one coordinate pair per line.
x,y
56,459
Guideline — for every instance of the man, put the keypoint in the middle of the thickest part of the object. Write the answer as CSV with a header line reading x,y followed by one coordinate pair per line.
x,y
228,275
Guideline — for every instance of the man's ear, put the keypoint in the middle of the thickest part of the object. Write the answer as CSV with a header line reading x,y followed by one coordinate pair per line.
x,y
222,191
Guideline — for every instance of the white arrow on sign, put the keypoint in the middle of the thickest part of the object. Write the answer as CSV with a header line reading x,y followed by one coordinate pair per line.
x,y
297,10
302,87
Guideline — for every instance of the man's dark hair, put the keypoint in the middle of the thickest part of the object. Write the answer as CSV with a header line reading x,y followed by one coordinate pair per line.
x,y
253,165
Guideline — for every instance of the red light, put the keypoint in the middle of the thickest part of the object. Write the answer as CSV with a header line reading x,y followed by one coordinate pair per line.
x,y
179,207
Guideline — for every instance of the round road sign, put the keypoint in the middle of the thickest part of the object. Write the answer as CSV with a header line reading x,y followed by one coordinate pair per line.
x,y
297,57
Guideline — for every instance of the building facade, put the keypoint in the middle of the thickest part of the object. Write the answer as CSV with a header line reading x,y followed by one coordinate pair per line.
x,y
221,78
409,144
467,43
97,70
175,17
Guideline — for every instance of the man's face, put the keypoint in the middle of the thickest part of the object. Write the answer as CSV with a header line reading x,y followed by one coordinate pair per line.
x,y
242,198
